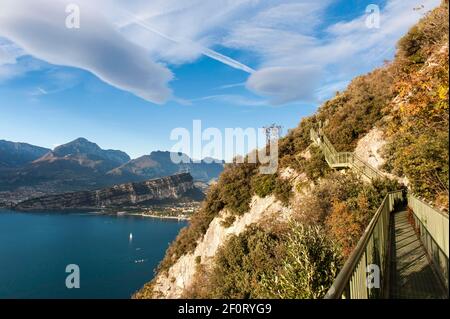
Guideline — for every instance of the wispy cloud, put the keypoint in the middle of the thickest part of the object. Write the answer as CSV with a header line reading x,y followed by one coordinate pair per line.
x,y
20,67
295,54
232,99
38,27
343,50
231,86
9,52
55,81
195,46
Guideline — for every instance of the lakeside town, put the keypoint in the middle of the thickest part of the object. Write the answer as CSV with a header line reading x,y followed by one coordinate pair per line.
x,y
179,211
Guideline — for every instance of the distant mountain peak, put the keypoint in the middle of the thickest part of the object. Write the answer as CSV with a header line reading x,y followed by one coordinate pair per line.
x,y
82,140
79,145
82,146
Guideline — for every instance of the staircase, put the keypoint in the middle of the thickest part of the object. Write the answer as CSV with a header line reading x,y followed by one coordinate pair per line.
x,y
403,252
338,160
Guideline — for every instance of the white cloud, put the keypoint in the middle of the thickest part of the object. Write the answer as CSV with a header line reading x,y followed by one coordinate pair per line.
x,y
193,48
19,67
285,84
295,55
301,15
187,26
8,53
38,27
343,50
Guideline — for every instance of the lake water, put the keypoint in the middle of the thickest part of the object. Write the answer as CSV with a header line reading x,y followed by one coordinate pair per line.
x,y
35,249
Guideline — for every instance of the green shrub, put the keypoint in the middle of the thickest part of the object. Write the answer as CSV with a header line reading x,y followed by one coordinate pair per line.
x,y
268,184
411,44
297,139
424,160
295,262
228,221
235,187
264,185
418,134
283,190
417,43
311,263
241,263
315,167
353,113
349,201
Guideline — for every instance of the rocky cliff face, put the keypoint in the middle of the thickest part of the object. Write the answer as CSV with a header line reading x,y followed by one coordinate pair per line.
x,y
370,146
167,188
180,276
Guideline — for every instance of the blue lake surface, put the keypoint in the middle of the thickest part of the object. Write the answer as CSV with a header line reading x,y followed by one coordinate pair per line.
x,y
35,249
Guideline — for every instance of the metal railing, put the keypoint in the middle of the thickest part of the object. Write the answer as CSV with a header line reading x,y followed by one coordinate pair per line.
x,y
431,224
432,227
368,170
343,159
371,251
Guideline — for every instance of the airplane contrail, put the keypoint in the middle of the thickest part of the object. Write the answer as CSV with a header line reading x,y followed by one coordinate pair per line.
x,y
205,51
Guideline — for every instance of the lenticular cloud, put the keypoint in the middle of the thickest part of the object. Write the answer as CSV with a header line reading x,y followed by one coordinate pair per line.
x,y
39,28
285,84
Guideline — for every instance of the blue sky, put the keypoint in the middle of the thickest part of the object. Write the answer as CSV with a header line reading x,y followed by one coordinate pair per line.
x,y
135,70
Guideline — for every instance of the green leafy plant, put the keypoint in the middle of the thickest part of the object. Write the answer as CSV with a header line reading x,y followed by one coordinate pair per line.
x,y
309,267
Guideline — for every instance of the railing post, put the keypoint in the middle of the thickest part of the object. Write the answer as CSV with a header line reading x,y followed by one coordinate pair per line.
x,y
434,234
433,225
372,247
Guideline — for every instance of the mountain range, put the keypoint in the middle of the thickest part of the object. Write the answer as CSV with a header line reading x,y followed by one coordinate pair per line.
x,y
14,155
174,188
83,165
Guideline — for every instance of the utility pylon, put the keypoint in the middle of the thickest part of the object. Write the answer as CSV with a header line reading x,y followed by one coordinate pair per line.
x,y
273,132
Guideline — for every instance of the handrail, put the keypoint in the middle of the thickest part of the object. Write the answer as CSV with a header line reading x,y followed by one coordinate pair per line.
x,y
371,251
433,228
343,159
374,173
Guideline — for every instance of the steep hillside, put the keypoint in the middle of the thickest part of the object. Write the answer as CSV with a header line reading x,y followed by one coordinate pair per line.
x,y
286,235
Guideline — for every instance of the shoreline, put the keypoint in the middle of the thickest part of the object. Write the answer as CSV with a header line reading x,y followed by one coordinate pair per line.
x,y
154,216
95,212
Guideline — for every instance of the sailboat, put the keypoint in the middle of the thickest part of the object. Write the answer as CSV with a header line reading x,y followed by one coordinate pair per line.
x,y
131,236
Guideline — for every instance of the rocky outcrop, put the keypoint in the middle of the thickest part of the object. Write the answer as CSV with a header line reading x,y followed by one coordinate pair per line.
x,y
180,276
369,147
167,188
